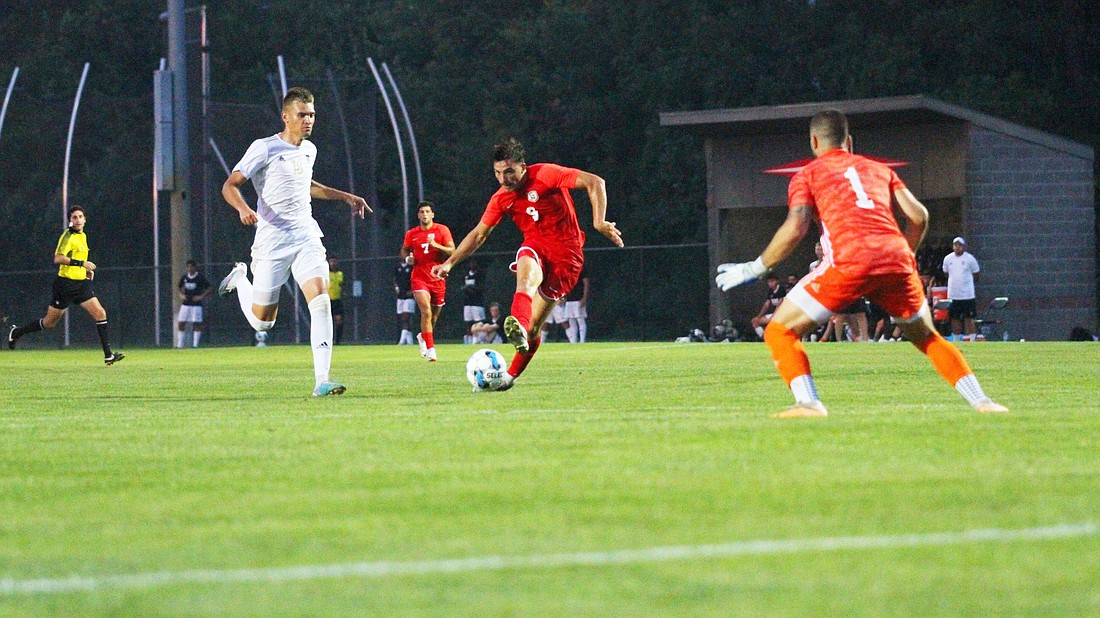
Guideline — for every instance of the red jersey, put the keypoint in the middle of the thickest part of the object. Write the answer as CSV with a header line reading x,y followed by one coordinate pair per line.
x,y
418,242
542,209
852,196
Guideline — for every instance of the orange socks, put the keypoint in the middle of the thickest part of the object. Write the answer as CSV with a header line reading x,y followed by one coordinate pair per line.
x,y
787,351
946,358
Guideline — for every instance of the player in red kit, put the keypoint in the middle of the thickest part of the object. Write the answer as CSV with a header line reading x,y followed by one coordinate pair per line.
x,y
426,246
866,253
549,261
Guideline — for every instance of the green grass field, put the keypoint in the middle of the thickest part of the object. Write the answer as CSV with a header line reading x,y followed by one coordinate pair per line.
x,y
208,483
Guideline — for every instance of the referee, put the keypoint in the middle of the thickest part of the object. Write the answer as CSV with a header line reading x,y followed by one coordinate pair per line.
x,y
73,285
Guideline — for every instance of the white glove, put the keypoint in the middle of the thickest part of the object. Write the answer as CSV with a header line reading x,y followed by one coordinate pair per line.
x,y
732,275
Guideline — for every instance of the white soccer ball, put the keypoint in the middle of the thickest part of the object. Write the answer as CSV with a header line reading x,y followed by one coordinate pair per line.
x,y
485,370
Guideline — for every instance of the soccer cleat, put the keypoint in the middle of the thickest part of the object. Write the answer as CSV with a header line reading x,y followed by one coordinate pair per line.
x,y
516,334
423,346
812,409
329,388
431,355
114,358
988,406
11,337
227,286
507,383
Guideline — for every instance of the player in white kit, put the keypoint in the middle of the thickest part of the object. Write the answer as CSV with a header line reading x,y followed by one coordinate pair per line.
x,y
288,239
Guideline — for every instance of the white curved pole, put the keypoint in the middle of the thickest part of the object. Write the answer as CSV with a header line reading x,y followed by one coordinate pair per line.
x,y
65,174
397,137
282,74
7,97
409,128
69,146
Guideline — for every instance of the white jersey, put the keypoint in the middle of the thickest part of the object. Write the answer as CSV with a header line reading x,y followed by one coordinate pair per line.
x,y
960,271
282,174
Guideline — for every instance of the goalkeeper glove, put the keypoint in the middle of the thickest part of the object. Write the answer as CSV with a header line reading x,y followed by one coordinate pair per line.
x,y
732,275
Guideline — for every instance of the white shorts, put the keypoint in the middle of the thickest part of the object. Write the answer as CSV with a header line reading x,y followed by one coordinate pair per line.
x,y
574,310
190,313
268,275
473,313
557,316
406,305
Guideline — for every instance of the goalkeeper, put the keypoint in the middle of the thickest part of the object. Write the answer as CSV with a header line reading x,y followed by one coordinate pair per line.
x,y
866,253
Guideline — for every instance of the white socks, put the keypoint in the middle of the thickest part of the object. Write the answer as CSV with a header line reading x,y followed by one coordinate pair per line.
x,y
582,329
320,335
969,388
406,338
195,336
804,389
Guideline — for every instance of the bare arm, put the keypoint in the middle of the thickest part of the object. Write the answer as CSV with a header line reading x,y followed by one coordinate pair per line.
x,y
358,204
597,196
64,260
231,191
448,248
916,214
466,248
788,236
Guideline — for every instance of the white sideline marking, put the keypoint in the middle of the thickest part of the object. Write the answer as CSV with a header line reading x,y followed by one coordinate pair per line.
x,y
762,547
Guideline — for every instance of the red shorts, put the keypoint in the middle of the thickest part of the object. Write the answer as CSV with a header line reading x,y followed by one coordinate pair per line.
x,y
561,268
825,291
437,288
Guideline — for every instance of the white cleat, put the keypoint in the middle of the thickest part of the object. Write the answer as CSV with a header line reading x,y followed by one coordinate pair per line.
x,y
423,346
431,355
229,283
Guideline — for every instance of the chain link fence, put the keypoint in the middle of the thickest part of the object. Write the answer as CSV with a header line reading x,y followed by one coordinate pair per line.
x,y
637,293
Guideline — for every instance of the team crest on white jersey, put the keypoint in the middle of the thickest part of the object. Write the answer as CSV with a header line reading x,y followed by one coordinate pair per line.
x,y
532,196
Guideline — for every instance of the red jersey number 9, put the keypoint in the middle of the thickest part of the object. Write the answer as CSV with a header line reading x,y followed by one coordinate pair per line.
x,y
534,213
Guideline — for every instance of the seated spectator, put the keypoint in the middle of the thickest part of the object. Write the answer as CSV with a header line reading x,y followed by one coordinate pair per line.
x,y
488,331
776,293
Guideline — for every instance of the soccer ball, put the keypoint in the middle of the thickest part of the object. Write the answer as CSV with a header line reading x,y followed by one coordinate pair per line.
x,y
485,370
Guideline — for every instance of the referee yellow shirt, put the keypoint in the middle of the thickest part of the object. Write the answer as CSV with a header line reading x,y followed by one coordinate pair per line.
x,y
73,245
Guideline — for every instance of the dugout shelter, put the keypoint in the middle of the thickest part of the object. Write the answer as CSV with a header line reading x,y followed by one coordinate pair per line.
x,y
1024,199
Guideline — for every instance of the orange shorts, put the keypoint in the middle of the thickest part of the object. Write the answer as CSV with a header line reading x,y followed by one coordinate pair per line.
x,y
826,291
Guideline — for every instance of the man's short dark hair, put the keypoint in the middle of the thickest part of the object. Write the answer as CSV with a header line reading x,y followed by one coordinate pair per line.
x,y
192,263
297,93
509,150
830,126
423,204
75,208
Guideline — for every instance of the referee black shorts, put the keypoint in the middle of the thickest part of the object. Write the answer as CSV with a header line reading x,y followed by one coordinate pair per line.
x,y
71,292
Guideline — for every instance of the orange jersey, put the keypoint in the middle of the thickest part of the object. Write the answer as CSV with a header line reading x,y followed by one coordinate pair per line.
x,y
543,209
418,243
852,197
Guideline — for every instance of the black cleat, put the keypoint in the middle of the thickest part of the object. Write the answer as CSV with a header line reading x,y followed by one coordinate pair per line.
x,y
114,358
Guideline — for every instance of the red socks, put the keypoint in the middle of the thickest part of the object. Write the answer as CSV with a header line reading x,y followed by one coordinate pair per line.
x,y
521,310
520,361
429,339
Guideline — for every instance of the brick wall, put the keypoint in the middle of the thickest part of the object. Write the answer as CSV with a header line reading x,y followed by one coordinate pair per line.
x,y
1028,217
